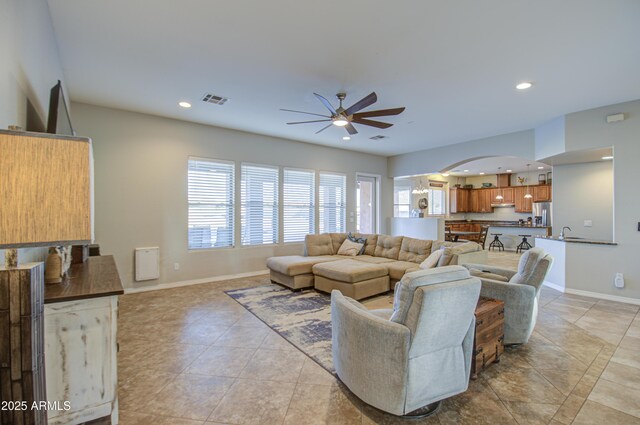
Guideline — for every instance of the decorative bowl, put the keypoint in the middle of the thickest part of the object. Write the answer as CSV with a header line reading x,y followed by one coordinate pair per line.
x,y
486,184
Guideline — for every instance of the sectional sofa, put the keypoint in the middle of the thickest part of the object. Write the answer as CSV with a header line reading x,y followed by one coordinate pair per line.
x,y
382,262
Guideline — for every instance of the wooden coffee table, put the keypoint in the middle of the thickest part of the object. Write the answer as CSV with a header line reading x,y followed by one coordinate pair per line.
x,y
488,343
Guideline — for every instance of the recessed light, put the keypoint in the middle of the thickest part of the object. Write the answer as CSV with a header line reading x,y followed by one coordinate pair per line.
x,y
540,168
184,104
607,157
482,173
466,171
509,171
346,138
524,85
445,174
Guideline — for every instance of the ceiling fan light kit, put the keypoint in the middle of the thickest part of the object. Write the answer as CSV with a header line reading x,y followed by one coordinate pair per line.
x,y
341,117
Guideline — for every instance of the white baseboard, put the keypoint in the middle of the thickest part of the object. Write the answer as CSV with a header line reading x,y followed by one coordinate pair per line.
x,y
597,295
169,285
554,286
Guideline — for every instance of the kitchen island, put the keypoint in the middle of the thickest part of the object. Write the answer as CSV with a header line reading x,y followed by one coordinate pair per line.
x,y
510,230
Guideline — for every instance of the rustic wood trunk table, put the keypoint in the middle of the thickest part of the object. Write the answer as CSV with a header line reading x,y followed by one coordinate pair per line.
x,y
488,343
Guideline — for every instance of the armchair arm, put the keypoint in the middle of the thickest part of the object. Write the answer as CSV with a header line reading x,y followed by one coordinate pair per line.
x,y
370,354
520,308
508,273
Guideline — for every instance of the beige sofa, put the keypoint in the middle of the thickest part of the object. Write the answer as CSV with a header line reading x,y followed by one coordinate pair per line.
x,y
383,263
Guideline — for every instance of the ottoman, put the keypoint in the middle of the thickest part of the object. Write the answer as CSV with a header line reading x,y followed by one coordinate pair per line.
x,y
294,271
355,279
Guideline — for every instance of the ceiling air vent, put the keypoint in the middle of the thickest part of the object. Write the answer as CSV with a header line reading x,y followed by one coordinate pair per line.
x,y
216,100
378,137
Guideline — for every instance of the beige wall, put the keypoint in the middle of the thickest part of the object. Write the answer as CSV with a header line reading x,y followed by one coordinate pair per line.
x,y
29,67
141,187
584,192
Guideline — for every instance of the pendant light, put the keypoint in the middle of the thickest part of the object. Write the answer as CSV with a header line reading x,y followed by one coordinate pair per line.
x,y
420,190
528,195
499,197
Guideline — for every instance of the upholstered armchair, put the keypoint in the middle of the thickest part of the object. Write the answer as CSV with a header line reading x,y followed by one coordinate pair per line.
x,y
404,361
519,289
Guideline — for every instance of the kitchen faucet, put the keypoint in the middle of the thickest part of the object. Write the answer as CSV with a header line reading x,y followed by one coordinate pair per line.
x,y
562,232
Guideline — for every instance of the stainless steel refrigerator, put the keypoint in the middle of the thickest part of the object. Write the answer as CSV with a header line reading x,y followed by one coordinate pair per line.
x,y
542,213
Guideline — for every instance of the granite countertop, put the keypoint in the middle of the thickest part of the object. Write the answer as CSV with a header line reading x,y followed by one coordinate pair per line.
x,y
96,277
578,240
500,223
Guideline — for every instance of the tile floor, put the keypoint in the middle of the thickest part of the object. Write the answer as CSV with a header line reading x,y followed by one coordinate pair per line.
x,y
192,356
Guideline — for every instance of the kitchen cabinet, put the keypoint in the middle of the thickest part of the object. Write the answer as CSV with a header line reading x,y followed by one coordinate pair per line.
x,y
507,194
541,193
484,201
459,200
522,204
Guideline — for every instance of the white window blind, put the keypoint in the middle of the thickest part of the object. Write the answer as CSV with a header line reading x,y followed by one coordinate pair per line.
x,y
298,204
401,200
332,202
259,204
437,198
211,206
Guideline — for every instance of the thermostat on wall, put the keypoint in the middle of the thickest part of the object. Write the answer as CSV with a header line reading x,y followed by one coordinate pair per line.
x,y
615,118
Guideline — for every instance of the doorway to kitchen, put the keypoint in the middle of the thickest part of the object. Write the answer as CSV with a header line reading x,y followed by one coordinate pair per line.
x,y
367,203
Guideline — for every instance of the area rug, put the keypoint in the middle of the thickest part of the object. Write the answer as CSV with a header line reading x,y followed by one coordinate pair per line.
x,y
302,318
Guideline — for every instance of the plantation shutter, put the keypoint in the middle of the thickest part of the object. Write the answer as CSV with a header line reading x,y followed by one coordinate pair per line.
x,y
332,202
211,205
259,204
298,204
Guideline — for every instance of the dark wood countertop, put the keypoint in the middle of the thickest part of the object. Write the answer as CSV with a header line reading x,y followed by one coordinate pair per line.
x,y
96,277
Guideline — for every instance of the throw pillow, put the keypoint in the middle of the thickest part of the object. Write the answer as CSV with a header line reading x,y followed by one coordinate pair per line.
x,y
363,241
350,248
432,260
487,275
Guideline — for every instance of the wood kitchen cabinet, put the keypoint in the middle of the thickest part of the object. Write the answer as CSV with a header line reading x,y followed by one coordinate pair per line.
x,y
522,204
541,193
507,194
459,200
484,201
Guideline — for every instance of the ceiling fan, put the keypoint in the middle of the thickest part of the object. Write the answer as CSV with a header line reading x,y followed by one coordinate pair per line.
x,y
342,117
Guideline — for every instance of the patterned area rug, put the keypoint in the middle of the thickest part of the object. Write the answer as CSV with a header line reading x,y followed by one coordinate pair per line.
x,y
302,318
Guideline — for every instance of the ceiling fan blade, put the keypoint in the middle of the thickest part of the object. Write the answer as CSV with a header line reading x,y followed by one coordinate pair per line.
x,y
308,113
351,129
368,100
378,124
306,122
379,113
324,128
326,104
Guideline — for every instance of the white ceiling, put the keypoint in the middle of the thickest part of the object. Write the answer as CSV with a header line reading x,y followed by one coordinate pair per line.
x,y
491,165
452,64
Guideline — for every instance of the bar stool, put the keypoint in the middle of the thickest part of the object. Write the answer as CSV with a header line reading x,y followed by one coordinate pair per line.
x,y
524,245
496,242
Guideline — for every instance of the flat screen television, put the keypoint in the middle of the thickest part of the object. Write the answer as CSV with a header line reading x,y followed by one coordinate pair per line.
x,y
59,121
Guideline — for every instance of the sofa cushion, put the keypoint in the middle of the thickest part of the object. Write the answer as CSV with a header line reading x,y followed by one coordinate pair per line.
x,y
487,275
370,245
432,260
450,252
397,269
294,265
373,260
349,271
436,245
406,288
388,246
318,245
416,250
350,248
336,241
363,241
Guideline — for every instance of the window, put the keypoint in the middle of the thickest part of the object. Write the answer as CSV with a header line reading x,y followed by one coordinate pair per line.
x,y
211,206
332,202
437,198
401,199
298,204
259,204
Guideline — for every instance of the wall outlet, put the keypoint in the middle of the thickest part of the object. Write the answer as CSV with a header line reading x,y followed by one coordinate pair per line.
x,y
588,223
619,280
176,266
